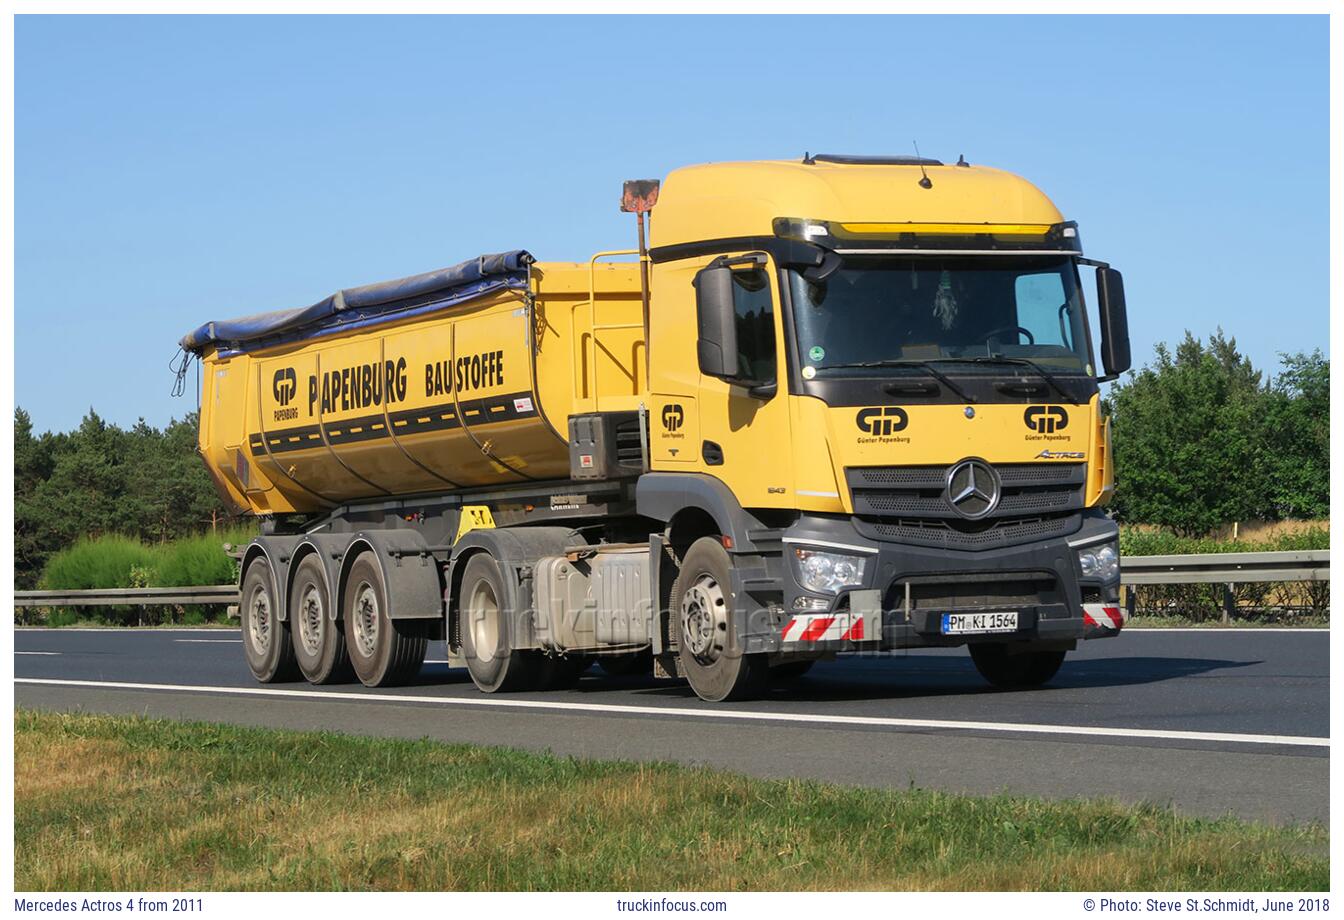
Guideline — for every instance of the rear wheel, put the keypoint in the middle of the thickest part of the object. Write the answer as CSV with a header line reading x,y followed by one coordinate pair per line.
x,y
1020,671
702,600
486,631
266,644
319,642
383,651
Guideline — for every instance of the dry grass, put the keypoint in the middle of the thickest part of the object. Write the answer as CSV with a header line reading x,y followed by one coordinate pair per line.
x,y
107,803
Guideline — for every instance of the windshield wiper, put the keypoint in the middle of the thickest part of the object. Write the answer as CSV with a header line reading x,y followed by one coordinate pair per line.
x,y
908,362
1026,362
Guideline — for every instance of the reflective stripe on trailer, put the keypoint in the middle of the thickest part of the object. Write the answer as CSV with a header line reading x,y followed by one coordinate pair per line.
x,y
1105,616
815,627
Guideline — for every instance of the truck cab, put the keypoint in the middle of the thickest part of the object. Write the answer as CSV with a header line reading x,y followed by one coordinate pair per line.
x,y
894,385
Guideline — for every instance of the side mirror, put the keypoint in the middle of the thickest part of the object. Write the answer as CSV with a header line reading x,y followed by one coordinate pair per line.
x,y
717,345
1115,357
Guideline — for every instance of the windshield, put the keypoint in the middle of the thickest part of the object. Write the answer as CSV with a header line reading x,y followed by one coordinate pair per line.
x,y
875,310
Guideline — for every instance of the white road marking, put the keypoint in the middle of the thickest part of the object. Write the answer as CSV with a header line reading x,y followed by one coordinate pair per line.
x,y
238,641
37,653
712,714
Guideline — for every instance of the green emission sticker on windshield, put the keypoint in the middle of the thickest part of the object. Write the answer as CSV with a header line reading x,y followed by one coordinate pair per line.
x,y
816,354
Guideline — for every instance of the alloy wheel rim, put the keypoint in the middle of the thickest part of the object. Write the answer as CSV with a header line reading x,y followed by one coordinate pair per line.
x,y
366,619
259,618
311,614
704,618
483,609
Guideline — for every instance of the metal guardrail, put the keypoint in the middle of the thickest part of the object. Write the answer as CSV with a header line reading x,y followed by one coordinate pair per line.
x,y
128,597
1194,568
1225,568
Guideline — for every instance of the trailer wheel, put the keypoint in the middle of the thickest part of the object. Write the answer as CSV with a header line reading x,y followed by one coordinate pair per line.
x,y
1015,672
383,651
485,625
319,641
266,645
702,601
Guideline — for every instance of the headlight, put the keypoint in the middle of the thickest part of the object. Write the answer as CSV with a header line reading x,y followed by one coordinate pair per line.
x,y
826,573
1100,562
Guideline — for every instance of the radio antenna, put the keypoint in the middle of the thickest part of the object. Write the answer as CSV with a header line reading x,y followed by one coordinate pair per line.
x,y
925,182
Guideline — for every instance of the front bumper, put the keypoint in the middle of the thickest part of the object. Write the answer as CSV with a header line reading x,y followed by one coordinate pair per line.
x,y
908,588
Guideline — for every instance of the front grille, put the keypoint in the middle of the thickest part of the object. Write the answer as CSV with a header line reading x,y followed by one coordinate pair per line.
x,y
920,491
945,534
971,592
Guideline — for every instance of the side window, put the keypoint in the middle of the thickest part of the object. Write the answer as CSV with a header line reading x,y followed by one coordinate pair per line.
x,y
755,323
1039,299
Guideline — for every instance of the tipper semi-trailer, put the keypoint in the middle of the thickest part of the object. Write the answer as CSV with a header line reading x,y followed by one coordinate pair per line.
x,y
836,404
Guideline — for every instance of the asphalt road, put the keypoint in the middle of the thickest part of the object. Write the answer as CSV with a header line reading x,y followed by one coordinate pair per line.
x,y
1212,722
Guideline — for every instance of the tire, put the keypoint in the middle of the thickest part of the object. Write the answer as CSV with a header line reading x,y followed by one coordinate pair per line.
x,y
266,644
486,630
787,673
383,652
1022,671
703,604
318,639
627,665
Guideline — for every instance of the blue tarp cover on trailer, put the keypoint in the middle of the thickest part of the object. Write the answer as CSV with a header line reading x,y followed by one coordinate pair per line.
x,y
365,306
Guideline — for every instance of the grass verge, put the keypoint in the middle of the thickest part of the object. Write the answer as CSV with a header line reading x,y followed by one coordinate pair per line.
x,y
114,803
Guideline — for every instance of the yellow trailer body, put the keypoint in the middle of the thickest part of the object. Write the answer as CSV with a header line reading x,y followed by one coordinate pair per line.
x,y
473,394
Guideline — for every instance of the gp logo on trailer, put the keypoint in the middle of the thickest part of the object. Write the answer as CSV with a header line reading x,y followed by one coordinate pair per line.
x,y
882,421
284,386
1046,419
673,416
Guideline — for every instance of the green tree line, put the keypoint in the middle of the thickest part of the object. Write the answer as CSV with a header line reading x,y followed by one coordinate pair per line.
x,y
1201,439
100,479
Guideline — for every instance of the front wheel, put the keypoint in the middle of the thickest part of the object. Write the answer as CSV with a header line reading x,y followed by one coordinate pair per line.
x,y
703,603
1020,671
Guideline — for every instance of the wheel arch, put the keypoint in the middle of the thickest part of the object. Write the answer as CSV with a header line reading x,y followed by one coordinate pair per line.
x,y
325,548
514,549
686,500
412,578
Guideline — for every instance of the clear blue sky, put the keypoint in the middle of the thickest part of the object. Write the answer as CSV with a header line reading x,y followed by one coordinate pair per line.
x,y
175,170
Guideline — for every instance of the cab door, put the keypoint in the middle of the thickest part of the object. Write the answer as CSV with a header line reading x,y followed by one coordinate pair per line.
x,y
745,433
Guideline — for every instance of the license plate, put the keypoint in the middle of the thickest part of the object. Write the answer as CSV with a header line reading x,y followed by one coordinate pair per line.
x,y
960,624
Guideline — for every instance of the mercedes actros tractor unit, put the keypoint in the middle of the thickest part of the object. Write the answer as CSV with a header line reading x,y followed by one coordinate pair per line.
x,y
840,404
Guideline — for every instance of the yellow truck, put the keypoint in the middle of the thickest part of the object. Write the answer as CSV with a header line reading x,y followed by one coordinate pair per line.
x,y
836,404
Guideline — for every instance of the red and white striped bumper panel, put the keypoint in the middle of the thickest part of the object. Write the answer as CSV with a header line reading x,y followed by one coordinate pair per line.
x,y
1105,616
817,627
